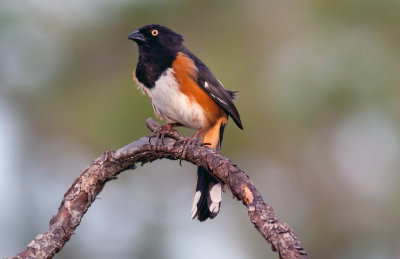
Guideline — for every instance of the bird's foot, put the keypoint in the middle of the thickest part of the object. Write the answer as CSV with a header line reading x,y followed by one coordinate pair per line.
x,y
190,141
160,133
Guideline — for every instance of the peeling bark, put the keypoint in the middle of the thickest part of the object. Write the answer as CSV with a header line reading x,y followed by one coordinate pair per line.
x,y
89,184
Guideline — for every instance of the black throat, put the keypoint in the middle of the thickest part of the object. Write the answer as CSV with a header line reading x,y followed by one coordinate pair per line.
x,y
152,63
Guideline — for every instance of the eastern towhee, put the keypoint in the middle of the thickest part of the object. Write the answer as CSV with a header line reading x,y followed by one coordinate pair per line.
x,y
184,92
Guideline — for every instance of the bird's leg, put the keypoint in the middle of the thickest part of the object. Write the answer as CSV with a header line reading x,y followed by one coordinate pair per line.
x,y
161,132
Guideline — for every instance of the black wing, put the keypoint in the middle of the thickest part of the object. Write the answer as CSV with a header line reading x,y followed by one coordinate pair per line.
x,y
213,87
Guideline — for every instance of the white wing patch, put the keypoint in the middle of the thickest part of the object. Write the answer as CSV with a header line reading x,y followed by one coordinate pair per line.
x,y
222,101
220,82
213,95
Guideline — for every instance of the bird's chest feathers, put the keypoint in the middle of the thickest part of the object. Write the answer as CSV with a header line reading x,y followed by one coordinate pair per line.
x,y
173,105
175,95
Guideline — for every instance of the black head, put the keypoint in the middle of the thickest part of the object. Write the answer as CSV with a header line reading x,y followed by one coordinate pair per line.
x,y
156,36
158,47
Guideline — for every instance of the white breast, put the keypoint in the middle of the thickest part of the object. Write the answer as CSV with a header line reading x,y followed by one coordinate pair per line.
x,y
171,105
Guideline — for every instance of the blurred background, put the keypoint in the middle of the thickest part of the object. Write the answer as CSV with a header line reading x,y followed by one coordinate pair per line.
x,y
319,99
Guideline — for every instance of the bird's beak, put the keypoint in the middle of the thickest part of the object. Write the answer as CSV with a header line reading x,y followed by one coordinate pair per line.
x,y
137,37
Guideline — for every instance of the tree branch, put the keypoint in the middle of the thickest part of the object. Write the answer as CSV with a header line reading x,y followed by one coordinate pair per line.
x,y
89,184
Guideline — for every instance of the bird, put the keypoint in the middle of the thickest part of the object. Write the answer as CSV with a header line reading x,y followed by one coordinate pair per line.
x,y
184,92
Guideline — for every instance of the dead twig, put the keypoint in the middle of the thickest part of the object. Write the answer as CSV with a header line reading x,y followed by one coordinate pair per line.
x,y
89,184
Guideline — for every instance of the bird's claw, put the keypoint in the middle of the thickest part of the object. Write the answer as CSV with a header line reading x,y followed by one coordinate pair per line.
x,y
160,134
188,142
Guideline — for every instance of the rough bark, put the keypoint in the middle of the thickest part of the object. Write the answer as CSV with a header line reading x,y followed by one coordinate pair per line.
x,y
89,184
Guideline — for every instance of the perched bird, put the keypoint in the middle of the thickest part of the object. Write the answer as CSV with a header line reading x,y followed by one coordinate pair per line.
x,y
184,92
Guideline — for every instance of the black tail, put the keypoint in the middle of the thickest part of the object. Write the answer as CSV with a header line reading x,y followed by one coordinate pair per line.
x,y
208,196
207,199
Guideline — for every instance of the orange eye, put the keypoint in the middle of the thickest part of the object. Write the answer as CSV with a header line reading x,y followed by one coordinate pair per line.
x,y
154,32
